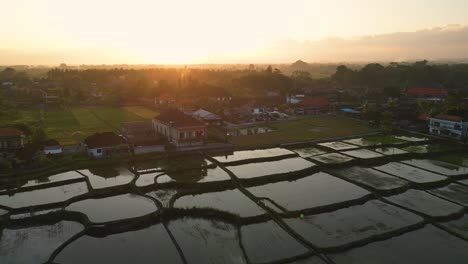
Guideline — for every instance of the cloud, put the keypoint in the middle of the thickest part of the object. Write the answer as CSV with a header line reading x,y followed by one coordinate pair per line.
x,y
449,42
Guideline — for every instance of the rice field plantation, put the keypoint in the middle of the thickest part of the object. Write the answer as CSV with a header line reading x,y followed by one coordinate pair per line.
x,y
70,125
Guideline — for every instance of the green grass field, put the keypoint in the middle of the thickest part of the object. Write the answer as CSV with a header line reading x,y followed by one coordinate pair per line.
x,y
308,128
68,126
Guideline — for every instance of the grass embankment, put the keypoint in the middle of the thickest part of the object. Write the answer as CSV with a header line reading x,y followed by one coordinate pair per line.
x,y
308,128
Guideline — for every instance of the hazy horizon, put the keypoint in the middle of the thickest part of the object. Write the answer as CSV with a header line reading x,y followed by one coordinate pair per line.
x,y
223,32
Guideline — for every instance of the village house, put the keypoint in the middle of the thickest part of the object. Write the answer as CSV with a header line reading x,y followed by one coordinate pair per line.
x,y
11,139
52,146
142,137
295,99
180,129
207,117
435,94
449,126
106,144
164,100
312,106
50,96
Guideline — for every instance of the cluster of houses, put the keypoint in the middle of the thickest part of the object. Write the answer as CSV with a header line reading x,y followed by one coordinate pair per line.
x,y
453,126
182,126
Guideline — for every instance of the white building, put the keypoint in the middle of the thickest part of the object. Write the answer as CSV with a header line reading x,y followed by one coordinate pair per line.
x,y
449,126
52,147
295,99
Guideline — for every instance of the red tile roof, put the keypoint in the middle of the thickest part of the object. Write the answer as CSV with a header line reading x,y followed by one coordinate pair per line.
x,y
428,91
178,118
423,117
10,132
105,139
450,117
316,102
166,97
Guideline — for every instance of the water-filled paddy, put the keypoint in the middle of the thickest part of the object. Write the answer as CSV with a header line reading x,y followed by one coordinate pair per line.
x,y
60,177
104,177
425,203
374,141
200,175
332,158
309,152
231,201
148,245
390,151
459,226
454,192
362,154
35,244
114,208
255,170
207,241
317,190
352,224
440,167
410,173
44,196
337,145
262,206
412,139
428,245
246,155
267,242
371,178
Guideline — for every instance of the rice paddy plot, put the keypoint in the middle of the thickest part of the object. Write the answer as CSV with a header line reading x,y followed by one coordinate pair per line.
x,y
459,226
207,241
337,145
412,139
377,140
332,158
454,192
371,178
409,173
60,177
142,112
107,176
314,191
231,201
425,203
390,151
43,196
437,166
152,244
349,225
309,152
267,242
114,208
36,243
428,245
199,175
270,168
252,155
362,154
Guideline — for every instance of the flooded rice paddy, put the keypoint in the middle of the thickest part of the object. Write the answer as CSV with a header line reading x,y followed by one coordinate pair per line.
x,y
358,201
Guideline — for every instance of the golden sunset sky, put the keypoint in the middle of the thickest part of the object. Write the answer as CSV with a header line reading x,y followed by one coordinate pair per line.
x,y
209,31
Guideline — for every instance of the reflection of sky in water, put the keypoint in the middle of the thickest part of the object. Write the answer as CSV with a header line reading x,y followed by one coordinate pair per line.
x,y
204,237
